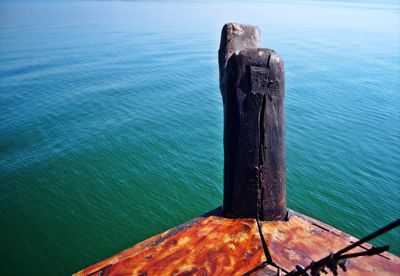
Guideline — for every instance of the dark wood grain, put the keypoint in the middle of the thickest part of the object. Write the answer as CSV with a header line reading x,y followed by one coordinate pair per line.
x,y
254,136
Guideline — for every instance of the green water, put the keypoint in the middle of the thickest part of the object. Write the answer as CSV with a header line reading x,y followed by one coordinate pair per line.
x,y
111,120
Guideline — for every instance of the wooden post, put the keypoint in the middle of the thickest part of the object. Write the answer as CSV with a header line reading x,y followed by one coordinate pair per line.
x,y
254,135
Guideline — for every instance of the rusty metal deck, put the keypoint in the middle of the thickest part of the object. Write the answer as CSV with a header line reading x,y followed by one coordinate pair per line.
x,y
213,245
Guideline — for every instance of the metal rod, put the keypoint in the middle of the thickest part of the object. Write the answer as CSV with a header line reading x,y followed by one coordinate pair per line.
x,y
336,255
371,236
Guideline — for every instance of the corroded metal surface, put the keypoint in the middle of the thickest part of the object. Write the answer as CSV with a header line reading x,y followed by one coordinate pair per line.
x,y
301,240
210,246
137,249
213,245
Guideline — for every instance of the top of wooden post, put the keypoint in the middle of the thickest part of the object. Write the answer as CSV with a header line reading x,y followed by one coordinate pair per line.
x,y
234,38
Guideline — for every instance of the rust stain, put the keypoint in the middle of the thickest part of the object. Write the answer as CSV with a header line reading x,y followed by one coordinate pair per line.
x,y
210,246
136,249
301,240
264,270
213,245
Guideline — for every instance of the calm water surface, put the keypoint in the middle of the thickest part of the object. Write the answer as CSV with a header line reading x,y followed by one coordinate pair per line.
x,y
111,120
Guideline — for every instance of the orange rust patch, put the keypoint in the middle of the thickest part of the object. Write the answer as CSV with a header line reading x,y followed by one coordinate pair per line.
x,y
210,246
213,245
302,240
136,249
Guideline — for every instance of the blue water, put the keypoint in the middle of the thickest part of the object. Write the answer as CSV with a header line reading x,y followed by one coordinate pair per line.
x,y
111,120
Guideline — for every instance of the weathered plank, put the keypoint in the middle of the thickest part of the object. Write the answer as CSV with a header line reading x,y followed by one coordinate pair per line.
x,y
210,245
147,244
301,240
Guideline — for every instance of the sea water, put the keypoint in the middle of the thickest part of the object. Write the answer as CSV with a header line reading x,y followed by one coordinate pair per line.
x,y
111,120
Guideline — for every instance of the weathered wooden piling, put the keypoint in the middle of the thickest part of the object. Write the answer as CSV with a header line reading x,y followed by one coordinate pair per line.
x,y
252,86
